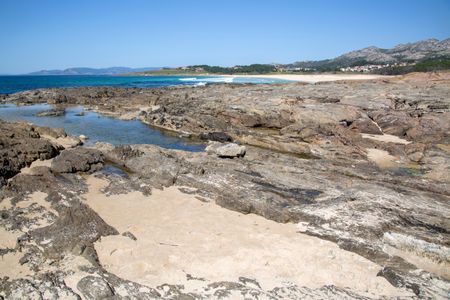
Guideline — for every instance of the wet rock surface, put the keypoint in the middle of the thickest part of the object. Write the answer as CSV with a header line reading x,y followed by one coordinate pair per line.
x,y
307,161
52,113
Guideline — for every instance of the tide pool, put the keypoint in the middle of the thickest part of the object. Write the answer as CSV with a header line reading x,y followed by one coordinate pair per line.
x,y
98,128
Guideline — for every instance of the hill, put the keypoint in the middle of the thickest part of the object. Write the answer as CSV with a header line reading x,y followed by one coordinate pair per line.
x,y
430,49
93,71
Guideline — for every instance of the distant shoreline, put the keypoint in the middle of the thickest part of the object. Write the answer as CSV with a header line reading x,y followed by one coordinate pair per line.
x,y
313,78
309,78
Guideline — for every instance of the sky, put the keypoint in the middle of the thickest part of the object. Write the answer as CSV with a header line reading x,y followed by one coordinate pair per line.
x,y
57,34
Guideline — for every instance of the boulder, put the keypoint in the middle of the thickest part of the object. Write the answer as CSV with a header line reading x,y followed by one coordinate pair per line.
x,y
230,150
78,160
20,145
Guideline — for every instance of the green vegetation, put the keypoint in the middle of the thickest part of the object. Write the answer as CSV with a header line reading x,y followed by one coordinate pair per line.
x,y
206,69
428,65
250,69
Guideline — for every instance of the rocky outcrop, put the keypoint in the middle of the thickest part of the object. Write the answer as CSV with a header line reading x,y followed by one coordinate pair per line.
x,y
78,160
20,145
307,160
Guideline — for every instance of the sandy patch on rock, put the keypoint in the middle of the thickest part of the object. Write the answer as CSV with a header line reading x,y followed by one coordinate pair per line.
x,y
6,204
442,269
65,142
179,235
424,255
10,266
381,158
40,220
38,198
8,238
386,138
36,163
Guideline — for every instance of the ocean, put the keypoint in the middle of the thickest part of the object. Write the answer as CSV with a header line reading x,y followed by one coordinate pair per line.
x,y
14,84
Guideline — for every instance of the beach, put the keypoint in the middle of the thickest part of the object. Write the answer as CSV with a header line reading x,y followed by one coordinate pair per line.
x,y
313,78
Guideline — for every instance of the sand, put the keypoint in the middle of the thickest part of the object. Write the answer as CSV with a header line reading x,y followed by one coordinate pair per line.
x,y
8,238
313,78
421,262
381,158
11,267
178,235
386,138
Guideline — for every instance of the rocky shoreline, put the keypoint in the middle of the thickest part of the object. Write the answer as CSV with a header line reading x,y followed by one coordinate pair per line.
x,y
363,165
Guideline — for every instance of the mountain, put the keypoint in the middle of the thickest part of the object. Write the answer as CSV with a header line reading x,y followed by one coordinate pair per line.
x,y
92,71
411,52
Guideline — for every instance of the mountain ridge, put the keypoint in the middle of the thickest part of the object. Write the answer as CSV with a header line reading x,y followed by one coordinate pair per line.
x,y
93,71
409,52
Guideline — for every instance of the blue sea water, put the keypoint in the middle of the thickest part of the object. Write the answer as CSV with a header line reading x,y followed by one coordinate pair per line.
x,y
13,84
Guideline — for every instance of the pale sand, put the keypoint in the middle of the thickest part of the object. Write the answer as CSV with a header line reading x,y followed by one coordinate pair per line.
x,y
179,235
313,78
421,262
36,163
6,204
381,157
39,199
40,220
8,238
10,266
387,138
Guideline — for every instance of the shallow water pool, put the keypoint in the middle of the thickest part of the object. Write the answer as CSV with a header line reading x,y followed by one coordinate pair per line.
x,y
98,128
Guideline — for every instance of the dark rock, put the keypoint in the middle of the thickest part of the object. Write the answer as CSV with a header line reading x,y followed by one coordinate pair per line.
x,y
216,136
129,235
365,125
78,160
20,145
77,226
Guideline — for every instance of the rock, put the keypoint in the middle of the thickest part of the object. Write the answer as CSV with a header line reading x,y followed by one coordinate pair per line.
x,y
216,136
415,151
52,132
78,160
365,125
309,166
129,235
94,288
52,113
156,108
20,145
83,137
226,151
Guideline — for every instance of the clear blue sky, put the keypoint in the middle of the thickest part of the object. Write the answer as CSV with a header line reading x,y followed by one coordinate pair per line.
x,y
58,34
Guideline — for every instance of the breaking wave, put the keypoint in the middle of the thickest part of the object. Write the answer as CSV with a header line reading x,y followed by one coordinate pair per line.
x,y
208,79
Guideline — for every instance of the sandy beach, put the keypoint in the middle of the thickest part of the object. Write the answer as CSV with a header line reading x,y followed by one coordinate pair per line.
x,y
176,234
313,78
